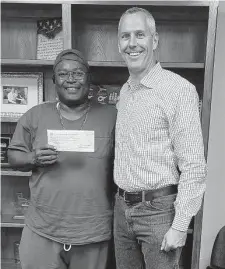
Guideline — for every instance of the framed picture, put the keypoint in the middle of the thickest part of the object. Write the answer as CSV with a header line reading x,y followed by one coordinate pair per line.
x,y
19,92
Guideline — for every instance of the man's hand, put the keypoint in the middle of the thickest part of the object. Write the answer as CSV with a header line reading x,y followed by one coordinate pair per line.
x,y
173,239
44,156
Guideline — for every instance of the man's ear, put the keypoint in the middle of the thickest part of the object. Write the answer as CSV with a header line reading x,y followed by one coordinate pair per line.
x,y
53,78
155,40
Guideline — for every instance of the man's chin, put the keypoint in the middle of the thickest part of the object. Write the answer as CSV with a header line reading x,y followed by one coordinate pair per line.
x,y
135,68
73,101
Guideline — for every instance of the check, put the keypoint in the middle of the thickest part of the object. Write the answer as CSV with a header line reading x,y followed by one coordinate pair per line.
x,y
70,140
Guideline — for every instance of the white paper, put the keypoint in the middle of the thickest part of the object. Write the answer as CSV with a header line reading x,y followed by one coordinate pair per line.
x,y
70,140
47,48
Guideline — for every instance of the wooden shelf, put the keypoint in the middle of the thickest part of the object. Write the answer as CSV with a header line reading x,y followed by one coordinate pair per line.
x,y
12,225
9,264
165,65
15,173
183,65
5,165
125,2
142,2
106,64
7,221
9,119
25,62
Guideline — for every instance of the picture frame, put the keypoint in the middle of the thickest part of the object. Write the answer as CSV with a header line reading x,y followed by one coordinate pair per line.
x,y
19,92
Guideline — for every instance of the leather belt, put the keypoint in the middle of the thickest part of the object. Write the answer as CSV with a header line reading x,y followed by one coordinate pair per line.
x,y
141,196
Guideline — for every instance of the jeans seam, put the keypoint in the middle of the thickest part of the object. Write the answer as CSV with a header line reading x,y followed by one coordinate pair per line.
x,y
129,223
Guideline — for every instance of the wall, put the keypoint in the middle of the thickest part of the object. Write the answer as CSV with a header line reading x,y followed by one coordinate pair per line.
x,y
214,209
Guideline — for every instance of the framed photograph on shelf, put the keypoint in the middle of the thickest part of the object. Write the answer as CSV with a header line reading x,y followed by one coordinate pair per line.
x,y
49,38
19,92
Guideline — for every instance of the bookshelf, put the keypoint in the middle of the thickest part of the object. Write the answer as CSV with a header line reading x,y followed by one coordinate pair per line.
x,y
187,40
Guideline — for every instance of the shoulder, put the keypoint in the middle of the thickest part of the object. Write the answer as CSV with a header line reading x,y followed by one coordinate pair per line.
x,y
124,88
175,79
122,95
41,108
177,85
101,108
32,116
108,112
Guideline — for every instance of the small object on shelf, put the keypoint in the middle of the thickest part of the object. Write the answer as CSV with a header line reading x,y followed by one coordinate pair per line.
x,y
5,140
105,94
21,217
49,38
8,220
102,95
21,205
16,252
113,93
93,91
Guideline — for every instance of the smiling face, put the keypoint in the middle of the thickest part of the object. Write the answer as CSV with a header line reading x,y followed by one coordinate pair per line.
x,y
71,82
137,43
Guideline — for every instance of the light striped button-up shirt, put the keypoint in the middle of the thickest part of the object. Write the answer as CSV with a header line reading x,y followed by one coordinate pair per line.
x,y
158,130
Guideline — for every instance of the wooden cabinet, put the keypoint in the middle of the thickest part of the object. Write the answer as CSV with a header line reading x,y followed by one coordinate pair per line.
x,y
186,46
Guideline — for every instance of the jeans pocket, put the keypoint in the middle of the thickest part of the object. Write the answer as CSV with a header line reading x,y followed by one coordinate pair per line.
x,y
162,203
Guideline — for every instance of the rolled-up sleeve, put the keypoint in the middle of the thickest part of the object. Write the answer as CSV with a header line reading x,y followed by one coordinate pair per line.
x,y
22,137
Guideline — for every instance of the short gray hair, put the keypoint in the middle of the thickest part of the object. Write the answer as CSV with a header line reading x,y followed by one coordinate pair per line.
x,y
150,18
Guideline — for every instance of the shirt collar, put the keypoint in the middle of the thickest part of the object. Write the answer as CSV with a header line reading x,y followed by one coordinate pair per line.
x,y
150,80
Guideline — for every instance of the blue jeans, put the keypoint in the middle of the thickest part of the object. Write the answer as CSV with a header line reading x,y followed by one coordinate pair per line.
x,y
138,234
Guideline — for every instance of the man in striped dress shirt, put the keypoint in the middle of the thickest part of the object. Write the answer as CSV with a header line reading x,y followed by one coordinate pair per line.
x,y
159,165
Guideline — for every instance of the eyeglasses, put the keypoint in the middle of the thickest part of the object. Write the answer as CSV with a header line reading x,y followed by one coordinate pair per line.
x,y
78,74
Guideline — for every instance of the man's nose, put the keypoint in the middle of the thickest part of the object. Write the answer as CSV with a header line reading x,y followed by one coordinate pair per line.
x,y
133,41
70,77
